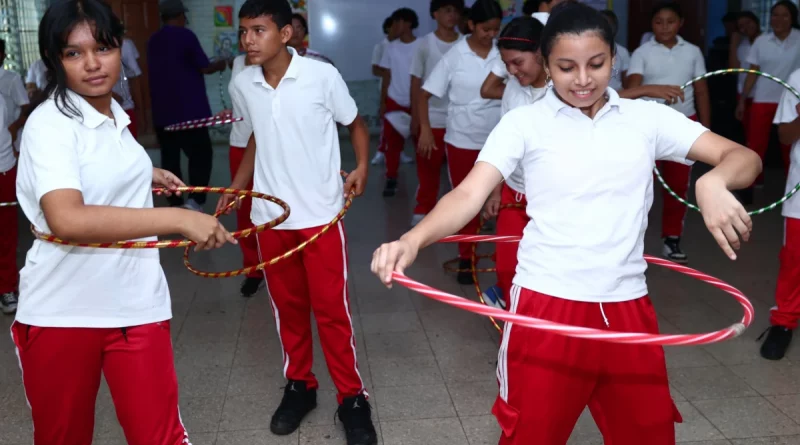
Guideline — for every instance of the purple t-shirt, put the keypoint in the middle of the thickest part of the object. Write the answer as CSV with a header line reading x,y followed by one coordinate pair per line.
x,y
177,87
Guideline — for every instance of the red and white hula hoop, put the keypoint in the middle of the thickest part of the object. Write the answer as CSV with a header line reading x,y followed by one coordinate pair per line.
x,y
589,333
202,123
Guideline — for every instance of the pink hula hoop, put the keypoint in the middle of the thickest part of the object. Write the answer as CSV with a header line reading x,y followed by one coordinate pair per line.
x,y
201,123
589,333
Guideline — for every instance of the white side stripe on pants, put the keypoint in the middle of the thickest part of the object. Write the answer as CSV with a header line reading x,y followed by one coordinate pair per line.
x,y
502,355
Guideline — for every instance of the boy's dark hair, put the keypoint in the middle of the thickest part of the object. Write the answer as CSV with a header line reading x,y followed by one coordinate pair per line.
x,y
532,6
749,15
484,10
278,10
302,21
439,4
669,5
406,15
387,24
575,19
60,19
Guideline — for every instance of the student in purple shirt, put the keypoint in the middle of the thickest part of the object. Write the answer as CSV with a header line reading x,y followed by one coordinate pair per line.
x,y
178,94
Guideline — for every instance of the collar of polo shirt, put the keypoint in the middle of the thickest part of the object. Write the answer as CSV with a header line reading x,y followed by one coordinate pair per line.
x,y
555,104
291,72
93,118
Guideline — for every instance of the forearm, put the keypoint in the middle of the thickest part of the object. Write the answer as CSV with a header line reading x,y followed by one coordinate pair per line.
x,y
422,111
248,166
738,168
416,92
359,138
749,83
387,79
492,87
636,92
789,133
450,214
703,105
105,224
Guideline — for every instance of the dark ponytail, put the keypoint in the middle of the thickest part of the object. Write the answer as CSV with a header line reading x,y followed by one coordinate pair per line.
x,y
575,19
521,34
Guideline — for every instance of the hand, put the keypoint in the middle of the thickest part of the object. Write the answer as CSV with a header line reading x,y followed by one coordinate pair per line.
x,y
740,111
224,114
492,206
392,257
205,230
168,180
426,143
725,217
356,181
224,201
670,93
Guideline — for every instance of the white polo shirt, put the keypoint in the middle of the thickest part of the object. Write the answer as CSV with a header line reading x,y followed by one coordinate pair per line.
x,y
429,52
62,286
660,65
130,69
787,112
12,88
499,67
37,74
240,131
397,59
775,57
589,188
7,158
458,77
622,64
515,96
297,154
742,51
314,55
378,50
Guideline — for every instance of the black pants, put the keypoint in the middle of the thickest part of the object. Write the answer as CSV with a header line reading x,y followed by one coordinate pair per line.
x,y
196,143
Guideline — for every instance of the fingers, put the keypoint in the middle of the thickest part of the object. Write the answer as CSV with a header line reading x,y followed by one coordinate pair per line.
x,y
732,236
383,262
722,240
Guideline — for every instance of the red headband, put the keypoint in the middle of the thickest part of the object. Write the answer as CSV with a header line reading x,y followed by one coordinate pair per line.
x,y
518,39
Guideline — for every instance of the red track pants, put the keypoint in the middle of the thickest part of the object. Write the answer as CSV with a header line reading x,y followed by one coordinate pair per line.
x,y
9,274
61,370
459,164
243,221
546,380
510,222
314,279
758,129
787,295
392,140
678,176
428,173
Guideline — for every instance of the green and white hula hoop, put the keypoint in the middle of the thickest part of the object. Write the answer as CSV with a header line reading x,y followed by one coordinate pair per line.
x,y
772,206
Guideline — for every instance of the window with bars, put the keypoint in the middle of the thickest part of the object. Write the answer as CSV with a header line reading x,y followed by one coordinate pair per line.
x,y
761,9
19,25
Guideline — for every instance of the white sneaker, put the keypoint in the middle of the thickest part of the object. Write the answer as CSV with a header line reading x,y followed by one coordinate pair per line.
x,y
406,159
378,159
191,204
8,303
416,218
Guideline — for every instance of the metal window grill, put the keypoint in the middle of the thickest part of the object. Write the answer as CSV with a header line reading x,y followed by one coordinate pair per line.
x,y
19,25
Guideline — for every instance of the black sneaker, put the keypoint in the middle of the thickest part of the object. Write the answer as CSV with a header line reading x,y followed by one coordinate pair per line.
x,y
356,415
8,303
672,250
251,285
296,403
391,188
465,274
778,339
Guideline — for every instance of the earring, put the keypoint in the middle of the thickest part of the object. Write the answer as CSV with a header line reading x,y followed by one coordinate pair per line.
x,y
614,71
547,80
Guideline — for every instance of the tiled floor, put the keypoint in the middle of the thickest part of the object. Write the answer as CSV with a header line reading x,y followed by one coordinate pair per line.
x,y
430,368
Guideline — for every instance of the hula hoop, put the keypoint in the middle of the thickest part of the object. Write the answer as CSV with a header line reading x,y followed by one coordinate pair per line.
x,y
202,123
8,204
167,244
772,206
732,331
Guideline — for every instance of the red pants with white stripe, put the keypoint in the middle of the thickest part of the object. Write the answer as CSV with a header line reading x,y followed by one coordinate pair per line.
x,y
313,280
678,176
787,295
61,370
459,163
546,380
510,222
393,141
248,245
429,171
758,129
9,274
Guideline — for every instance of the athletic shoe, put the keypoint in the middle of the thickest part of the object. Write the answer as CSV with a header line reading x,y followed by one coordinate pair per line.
x,y
672,250
778,339
416,218
465,277
378,159
8,303
493,296
391,188
406,159
296,403
251,285
356,415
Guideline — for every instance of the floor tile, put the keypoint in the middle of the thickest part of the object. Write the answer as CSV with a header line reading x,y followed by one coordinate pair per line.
x,y
747,417
424,432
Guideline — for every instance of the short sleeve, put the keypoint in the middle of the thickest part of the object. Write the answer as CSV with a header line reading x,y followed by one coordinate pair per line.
x,y
195,52
754,55
699,63
386,58
418,61
31,76
129,56
340,102
499,68
636,65
18,92
505,147
787,107
439,81
377,54
49,155
675,133
624,60
240,106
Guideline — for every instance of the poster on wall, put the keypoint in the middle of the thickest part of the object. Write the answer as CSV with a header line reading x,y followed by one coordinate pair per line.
x,y
225,44
509,8
301,7
223,16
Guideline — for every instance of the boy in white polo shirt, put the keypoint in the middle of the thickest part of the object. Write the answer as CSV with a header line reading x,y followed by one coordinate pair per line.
x,y
396,88
430,50
293,104
784,316
670,60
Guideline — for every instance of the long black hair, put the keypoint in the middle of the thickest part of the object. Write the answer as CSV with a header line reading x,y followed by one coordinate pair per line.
x,y
60,19
575,18
521,34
